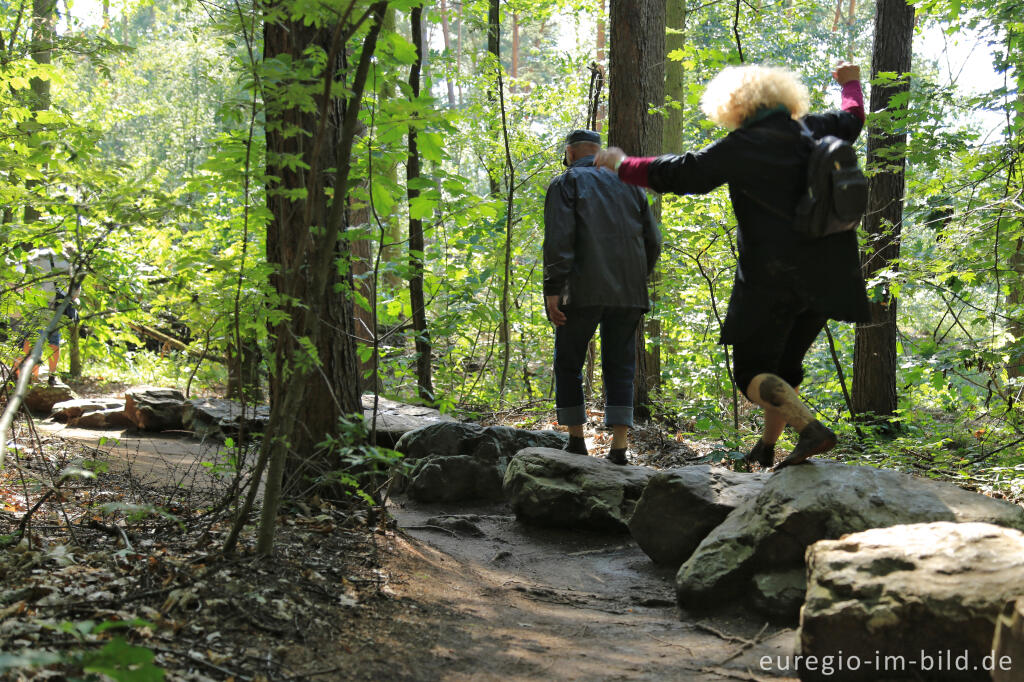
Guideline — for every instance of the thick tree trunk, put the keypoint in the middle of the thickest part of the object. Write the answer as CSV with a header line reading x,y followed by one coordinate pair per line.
x,y
874,364
637,83
424,382
314,378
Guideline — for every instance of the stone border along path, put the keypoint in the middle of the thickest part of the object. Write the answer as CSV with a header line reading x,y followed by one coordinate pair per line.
x,y
562,604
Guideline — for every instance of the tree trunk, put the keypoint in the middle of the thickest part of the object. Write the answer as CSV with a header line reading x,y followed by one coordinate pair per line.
x,y
446,34
675,76
424,382
1014,300
74,351
514,73
874,364
637,83
44,18
314,378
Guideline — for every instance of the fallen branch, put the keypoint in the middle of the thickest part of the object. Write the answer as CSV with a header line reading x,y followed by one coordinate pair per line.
x,y
174,343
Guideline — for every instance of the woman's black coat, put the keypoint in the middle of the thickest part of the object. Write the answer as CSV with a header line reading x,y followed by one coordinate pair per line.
x,y
765,164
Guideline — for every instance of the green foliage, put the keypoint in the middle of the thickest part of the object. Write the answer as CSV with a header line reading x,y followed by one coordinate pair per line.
x,y
116,660
363,470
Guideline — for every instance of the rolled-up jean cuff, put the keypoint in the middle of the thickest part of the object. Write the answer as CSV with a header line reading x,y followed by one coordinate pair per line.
x,y
621,415
571,416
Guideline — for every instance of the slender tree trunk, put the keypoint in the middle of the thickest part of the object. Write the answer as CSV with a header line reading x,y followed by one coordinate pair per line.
x,y
315,377
874,364
1014,300
74,351
419,313
44,18
515,49
602,109
675,76
637,83
446,34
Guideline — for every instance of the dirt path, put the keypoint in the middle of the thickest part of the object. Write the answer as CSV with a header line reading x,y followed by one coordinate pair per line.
x,y
483,597
529,604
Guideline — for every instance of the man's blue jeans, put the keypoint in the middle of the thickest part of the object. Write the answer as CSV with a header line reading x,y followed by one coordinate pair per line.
x,y
618,362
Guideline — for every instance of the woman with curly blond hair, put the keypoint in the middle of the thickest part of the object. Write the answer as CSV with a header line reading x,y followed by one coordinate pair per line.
x,y
785,286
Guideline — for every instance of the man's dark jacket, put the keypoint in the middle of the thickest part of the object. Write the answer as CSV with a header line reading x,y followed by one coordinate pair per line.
x,y
777,270
600,239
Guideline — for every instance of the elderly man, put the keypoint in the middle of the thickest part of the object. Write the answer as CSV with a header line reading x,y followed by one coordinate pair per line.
x,y
600,245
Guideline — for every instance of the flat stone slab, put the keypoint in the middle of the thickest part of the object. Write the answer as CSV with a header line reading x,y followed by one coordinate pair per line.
x,y
395,419
219,418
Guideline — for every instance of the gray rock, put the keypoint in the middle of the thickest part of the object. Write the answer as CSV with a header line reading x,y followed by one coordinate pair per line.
x,y
154,409
220,419
463,524
447,439
41,398
821,500
113,417
453,461
555,488
779,594
452,479
513,440
905,592
681,506
72,409
395,419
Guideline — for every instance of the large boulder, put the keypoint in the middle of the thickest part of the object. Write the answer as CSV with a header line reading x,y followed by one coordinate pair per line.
x,y
220,419
816,501
921,599
153,408
41,398
556,488
453,461
681,506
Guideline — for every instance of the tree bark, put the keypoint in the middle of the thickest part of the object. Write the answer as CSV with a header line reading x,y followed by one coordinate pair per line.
x,y
675,76
446,35
637,83
314,378
424,382
874,364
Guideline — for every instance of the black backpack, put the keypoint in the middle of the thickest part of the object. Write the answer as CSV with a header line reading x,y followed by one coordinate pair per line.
x,y
837,191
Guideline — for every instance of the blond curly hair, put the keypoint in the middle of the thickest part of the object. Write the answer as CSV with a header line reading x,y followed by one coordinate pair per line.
x,y
738,92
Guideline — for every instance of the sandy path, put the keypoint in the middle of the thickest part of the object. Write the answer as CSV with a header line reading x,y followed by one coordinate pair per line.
x,y
558,605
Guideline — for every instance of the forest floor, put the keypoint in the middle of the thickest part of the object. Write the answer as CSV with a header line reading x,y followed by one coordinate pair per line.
x,y
414,595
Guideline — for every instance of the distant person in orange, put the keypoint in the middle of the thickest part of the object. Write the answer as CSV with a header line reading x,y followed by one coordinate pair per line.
x,y
50,265
785,287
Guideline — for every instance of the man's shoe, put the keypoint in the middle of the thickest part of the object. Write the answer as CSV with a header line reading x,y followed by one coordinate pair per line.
x,y
762,453
576,445
617,456
52,381
815,438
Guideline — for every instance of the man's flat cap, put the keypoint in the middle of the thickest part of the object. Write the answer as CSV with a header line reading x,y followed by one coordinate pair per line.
x,y
582,136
